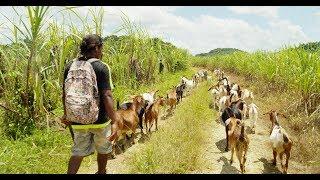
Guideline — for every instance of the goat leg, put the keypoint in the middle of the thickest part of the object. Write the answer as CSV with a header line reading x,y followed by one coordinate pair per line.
x,y
231,158
287,162
239,156
274,157
150,126
245,156
281,159
156,123
227,145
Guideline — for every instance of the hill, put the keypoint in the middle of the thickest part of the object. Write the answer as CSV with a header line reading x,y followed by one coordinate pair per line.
x,y
311,46
220,51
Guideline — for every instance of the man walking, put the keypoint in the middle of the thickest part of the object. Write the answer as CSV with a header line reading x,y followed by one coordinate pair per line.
x,y
88,104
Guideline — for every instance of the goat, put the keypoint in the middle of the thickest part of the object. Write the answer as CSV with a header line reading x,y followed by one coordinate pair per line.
x,y
149,96
273,115
281,143
190,84
127,120
246,94
152,114
238,141
201,74
233,110
171,100
217,73
196,79
140,111
253,116
179,91
215,96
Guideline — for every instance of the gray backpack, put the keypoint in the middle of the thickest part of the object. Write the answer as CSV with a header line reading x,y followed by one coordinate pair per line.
x,y
81,90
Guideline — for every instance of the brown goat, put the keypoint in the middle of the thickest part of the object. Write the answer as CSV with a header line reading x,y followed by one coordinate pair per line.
x,y
172,100
126,120
281,143
238,141
152,113
273,116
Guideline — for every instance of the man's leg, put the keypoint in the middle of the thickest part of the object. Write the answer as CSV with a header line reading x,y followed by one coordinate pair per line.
x,y
83,146
74,164
102,163
103,147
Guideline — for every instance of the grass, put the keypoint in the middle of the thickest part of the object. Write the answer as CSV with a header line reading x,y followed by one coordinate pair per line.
x,y
176,146
43,152
48,151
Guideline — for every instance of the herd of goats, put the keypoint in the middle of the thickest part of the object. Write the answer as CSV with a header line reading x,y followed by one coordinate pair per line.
x,y
228,97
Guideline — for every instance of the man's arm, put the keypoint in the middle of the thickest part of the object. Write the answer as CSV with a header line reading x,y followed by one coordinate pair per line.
x,y
108,104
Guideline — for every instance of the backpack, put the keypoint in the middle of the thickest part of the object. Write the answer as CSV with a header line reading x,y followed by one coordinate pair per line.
x,y
81,93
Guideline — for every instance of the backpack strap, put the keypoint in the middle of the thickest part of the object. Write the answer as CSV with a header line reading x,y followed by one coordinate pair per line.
x,y
91,60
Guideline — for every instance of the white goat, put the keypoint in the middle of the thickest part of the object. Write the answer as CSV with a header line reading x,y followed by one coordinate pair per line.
x,y
190,84
149,97
247,94
253,116
281,144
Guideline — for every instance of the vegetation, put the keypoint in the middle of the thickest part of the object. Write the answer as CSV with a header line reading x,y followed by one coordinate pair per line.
x,y
33,63
220,51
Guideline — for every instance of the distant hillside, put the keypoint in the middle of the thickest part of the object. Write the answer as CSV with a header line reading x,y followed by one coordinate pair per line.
x,y
312,46
220,51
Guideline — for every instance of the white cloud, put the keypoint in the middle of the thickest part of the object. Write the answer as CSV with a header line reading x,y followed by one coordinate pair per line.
x,y
265,11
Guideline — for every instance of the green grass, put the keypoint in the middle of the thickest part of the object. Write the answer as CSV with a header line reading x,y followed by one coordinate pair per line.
x,y
48,151
176,146
43,152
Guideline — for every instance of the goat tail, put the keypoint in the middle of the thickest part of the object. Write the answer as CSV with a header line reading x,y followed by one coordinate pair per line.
x,y
118,104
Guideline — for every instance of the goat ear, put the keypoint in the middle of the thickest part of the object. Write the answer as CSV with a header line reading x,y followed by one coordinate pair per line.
x,y
267,112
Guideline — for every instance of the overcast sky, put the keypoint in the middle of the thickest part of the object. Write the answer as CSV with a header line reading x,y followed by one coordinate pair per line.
x,y
203,28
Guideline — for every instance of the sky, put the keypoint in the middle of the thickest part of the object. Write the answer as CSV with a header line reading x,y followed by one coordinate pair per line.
x,y
203,28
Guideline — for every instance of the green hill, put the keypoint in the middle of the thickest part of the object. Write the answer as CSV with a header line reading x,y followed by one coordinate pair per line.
x,y
312,46
220,51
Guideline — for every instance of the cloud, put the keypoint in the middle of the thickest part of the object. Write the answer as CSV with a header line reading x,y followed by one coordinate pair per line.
x,y
265,11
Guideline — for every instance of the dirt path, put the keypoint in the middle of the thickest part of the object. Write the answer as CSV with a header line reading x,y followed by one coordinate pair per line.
x,y
259,157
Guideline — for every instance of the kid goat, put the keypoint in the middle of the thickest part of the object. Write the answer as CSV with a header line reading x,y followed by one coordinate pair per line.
x,y
281,143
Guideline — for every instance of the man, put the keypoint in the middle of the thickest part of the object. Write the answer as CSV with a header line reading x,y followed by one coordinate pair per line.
x,y
161,66
88,137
